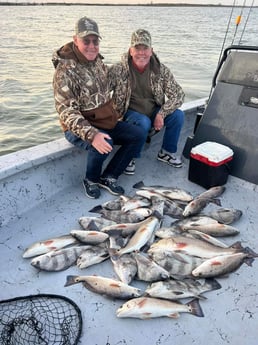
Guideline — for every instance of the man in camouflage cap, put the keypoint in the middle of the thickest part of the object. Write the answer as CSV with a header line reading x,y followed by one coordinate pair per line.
x,y
147,94
141,37
86,112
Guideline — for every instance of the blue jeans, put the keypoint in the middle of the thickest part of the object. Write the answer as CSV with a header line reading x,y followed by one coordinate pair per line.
x,y
128,136
173,124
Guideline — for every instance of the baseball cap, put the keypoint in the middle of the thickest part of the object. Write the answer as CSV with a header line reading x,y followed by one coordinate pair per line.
x,y
86,26
141,36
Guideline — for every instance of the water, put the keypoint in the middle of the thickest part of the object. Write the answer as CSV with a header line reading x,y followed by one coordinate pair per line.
x,y
187,39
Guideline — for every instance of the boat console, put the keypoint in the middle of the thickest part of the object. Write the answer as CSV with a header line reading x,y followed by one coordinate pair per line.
x,y
231,115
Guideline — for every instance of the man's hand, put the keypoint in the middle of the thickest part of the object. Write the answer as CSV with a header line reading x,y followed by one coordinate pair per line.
x,y
100,144
158,122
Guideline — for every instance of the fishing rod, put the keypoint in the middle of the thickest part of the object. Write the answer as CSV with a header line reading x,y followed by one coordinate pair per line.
x,y
247,19
238,21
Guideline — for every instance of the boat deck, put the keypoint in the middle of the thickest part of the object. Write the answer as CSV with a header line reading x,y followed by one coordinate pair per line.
x,y
32,210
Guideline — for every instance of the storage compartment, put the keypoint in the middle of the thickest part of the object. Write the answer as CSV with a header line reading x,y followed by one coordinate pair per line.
x,y
210,164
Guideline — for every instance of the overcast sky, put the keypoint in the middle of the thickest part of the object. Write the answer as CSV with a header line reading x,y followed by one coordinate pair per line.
x,y
212,2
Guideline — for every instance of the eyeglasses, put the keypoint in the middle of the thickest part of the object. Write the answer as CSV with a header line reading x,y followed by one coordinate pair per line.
x,y
87,42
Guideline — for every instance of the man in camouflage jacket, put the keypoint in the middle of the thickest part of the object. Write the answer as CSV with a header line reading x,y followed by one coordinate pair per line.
x,y
147,94
86,113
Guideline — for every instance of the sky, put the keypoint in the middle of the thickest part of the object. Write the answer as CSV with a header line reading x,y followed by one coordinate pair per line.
x,y
212,2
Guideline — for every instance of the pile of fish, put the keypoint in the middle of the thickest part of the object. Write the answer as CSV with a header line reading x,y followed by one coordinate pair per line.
x,y
176,262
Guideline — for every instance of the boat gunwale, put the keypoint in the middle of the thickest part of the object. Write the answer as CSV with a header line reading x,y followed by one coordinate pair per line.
x,y
15,162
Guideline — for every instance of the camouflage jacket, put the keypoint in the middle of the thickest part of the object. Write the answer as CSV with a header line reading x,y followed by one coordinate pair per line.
x,y
167,93
79,85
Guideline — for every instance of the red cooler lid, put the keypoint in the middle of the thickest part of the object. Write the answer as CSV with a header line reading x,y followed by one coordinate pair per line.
x,y
212,153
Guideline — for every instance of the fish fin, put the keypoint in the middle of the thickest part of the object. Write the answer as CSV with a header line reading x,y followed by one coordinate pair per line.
x,y
201,297
174,315
96,209
138,185
214,284
93,226
195,308
237,245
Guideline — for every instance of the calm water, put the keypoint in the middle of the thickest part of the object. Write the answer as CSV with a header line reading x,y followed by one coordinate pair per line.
x,y
187,39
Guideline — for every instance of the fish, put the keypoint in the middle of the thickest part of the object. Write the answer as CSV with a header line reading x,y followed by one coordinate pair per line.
x,y
150,307
222,265
206,225
172,209
208,238
134,202
172,193
226,215
58,260
132,216
178,266
197,205
122,229
118,241
92,256
148,270
105,286
213,192
141,236
124,266
98,222
89,236
43,247
157,205
165,232
177,289
193,246
113,204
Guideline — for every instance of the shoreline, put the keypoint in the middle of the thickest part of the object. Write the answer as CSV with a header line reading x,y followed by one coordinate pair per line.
x,y
134,5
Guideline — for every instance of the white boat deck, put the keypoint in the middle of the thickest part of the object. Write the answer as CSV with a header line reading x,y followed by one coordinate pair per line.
x,y
49,201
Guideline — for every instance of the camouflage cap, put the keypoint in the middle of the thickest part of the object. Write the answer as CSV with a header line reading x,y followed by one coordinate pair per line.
x,y
141,36
86,26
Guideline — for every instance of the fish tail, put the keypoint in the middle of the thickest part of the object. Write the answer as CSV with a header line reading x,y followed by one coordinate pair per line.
x,y
249,261
138,185
216,202
250,252
96,209
70,280
214,284
195,308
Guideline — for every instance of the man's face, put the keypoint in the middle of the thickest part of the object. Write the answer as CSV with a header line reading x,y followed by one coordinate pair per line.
x,y
141,55
88,46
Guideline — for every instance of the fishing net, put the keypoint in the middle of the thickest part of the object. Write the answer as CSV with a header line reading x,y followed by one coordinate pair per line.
x,y
40,319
